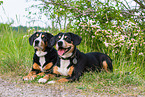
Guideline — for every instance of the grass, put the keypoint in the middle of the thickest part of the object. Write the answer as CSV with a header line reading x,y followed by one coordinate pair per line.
x,y
16,59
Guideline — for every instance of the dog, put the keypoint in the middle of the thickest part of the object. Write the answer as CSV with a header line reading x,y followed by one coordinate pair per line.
x,y
73,63
44,57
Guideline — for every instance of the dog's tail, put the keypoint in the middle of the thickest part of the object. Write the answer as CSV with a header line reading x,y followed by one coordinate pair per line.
x,y
107,64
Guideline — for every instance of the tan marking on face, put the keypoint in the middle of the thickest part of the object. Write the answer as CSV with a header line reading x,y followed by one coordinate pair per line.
x,y
42,36
43,45
48,66
55,68
36,66
62,80
71,71
59,36
65,36
105,65
69,45
37,35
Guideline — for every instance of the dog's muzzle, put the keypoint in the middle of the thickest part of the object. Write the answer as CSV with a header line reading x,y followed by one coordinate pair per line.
x,y
60,43
36,43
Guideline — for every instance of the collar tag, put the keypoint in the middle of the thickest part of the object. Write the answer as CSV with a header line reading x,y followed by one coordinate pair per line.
x,y
75,61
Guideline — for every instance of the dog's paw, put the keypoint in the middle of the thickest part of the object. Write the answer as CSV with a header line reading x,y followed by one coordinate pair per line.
x,y
51,82
26,78
42,80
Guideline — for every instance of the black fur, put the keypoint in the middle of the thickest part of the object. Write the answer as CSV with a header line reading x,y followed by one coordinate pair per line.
x,y
50,56
85,62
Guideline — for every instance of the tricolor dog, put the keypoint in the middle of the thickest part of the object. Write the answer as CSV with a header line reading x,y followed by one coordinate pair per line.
x,y
44,57
72,63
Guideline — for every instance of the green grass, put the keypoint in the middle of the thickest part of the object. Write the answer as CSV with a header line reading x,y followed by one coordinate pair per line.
x,y
16,58
15,52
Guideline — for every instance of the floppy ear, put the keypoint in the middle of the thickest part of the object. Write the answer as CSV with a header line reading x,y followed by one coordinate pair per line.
x,y
75,38
31,39
54,39
49,36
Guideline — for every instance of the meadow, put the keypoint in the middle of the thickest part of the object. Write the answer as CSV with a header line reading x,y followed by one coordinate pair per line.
x,y
128,75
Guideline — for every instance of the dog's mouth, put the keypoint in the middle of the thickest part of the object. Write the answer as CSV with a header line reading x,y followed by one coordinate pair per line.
x,y
61,51
39,47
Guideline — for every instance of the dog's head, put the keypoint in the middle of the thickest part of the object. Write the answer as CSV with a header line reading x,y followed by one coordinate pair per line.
x,y
40,40
65,42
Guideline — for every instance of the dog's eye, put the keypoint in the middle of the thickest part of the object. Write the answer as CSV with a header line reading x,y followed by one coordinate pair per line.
x,y
68,39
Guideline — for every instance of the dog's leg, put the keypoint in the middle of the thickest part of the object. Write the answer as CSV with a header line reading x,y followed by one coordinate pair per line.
x,y
105,66
46,77
48,66
63,79
30,76
71,71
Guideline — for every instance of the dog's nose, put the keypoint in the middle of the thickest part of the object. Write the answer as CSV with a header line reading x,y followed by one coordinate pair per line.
x,y
60,43
36,42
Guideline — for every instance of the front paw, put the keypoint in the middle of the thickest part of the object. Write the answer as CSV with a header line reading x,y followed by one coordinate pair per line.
x,y
42,80
26,78
51,82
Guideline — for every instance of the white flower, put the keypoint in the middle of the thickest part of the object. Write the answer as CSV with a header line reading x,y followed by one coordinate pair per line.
x,y
106,44
93,36
140,53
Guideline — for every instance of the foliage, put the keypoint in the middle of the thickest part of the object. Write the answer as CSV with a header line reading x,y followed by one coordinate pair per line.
x,y
1,2
108,26
15,50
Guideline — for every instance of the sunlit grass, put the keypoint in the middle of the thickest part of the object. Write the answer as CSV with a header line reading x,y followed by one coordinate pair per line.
x,y
15,51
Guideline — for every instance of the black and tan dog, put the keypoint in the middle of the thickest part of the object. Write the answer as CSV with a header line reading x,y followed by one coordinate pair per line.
x,y
73,63
44,57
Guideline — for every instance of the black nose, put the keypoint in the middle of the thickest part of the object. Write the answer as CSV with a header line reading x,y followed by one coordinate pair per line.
x,y
36,42
60,43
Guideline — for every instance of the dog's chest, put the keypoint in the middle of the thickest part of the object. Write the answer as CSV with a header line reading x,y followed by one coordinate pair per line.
x,y
42,59
63,70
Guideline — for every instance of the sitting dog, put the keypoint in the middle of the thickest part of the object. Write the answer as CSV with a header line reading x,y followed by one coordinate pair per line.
x,y
73,63
44,57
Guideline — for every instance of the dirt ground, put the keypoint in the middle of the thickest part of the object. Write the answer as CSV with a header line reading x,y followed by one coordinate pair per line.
x,y
15,87
11,88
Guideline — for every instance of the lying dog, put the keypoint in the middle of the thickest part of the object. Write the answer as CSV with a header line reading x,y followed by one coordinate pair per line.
x,y
44,57
73,63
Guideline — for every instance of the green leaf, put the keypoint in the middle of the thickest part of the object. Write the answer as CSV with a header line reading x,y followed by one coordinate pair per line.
x,y
1,2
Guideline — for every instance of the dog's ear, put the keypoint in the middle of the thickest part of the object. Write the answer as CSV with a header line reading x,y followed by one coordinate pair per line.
x,y
54,39
49,36
31,39
75,38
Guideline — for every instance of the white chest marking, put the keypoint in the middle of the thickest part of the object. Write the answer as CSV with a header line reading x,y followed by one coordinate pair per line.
x,y
42,60
63,67
41,56
41,53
